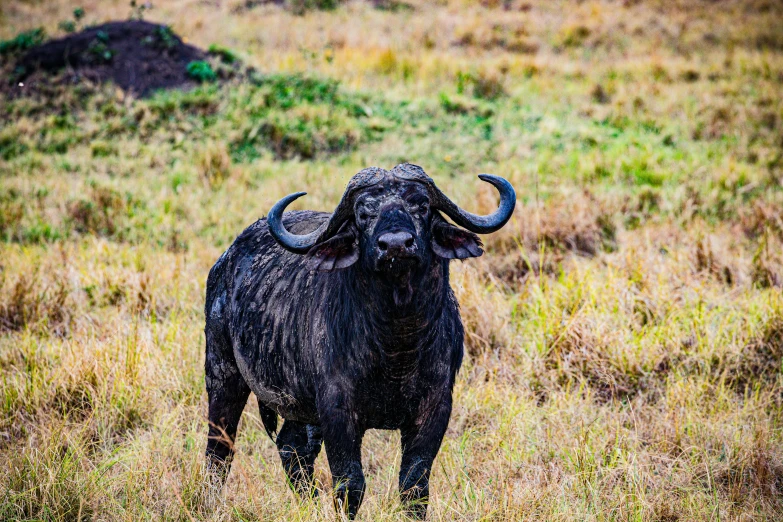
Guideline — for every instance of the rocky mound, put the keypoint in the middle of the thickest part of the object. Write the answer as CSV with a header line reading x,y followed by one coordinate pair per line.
x,y
138,56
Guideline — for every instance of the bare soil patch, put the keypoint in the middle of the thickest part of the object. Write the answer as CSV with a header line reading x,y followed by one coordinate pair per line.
x,y
138,56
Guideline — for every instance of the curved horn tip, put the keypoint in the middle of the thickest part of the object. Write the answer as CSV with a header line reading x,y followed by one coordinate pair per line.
x,y
495,180
278,208
501,183
298,244
291,197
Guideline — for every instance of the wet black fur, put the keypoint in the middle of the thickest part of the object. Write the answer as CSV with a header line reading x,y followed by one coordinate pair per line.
x,y
334,353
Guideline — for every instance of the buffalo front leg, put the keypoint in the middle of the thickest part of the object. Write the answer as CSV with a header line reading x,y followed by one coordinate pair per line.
x,y
343,441
421,441
228,395
299,445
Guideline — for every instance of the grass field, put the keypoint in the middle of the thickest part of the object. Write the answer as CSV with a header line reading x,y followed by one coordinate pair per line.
x,y
624,331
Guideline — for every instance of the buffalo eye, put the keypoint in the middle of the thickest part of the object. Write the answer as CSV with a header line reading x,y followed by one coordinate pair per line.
x,y
420,209
363,216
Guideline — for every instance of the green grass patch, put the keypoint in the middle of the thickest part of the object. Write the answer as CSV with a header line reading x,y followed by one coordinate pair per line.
x,y
201,71
23,41
225,54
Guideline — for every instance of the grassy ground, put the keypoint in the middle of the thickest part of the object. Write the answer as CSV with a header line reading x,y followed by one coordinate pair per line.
x,y
625,330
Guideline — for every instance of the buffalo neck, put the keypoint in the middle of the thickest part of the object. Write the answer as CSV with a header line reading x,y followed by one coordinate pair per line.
x,y
402,326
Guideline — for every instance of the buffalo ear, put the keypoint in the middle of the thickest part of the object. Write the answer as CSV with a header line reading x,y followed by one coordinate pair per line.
x,y
339,251
452,242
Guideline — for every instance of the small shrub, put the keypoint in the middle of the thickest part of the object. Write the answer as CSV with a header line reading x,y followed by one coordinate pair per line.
x,y
166,38
23,41
300,7
201,71
70,26
67,26
98,49
226,55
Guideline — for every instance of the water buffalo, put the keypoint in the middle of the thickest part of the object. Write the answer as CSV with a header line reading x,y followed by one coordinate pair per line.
x,y
344,322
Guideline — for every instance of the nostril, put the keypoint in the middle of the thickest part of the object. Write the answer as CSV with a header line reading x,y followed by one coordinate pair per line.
x,y
396,242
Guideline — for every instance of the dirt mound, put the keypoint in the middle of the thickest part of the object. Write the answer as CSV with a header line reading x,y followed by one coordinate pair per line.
x,y
138,56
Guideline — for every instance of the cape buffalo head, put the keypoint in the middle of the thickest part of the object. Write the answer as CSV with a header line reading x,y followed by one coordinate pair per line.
x,y
390,222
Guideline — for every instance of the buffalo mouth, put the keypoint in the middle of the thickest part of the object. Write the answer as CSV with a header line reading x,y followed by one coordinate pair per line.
x,y
398,272
397,266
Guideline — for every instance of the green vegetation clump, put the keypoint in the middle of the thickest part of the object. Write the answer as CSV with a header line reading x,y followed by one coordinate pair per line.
x,y
67,26
201,71
488,86
166,37
23,41
99,49
300,7
70,26
225,54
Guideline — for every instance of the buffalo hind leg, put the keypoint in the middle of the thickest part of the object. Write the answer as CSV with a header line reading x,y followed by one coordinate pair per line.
x,y
299,444
228,395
